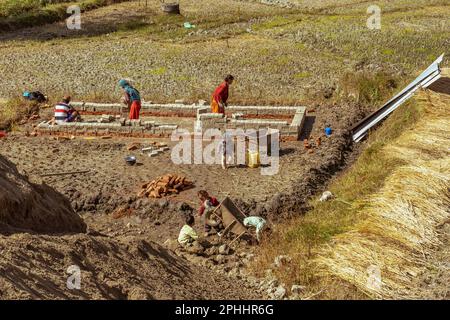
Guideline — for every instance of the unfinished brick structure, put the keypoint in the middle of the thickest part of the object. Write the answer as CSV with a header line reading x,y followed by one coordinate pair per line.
x,y
249,118
288,120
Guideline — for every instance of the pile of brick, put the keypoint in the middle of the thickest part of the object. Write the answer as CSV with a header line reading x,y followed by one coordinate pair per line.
x,y
164,186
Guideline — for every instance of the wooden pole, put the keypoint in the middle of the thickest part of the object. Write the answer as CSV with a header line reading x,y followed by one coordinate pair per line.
x,y
63,173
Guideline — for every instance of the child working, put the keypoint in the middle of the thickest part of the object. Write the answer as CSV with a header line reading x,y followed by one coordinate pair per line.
x,y
187,233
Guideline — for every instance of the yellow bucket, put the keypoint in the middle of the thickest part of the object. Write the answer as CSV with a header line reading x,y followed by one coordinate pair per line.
x,y
253,159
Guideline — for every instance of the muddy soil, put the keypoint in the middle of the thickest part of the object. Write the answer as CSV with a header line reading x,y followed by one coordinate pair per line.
x,y
28,206
333,155
110,183
43,243
35,267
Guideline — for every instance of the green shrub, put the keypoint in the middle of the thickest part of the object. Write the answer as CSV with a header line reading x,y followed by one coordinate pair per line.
x,y
368,88
28,13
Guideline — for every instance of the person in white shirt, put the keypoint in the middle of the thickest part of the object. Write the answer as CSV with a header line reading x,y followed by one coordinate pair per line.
x,y
258,223
187,233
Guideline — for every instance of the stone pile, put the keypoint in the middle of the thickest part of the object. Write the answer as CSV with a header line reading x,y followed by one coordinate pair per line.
x,y
155,149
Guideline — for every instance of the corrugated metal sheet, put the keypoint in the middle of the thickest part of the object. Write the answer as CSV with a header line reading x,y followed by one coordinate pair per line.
x,y
424,80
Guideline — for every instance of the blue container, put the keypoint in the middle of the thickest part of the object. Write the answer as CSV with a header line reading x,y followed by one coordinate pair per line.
x,y
328,131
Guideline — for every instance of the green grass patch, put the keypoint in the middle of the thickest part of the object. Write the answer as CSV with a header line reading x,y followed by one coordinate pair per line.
x,y
132,25
302,75
274,22
182,77
366,176
157,71
28,13
14,110
300,46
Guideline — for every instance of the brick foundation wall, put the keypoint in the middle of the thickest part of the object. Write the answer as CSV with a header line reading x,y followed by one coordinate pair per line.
x,y
288,120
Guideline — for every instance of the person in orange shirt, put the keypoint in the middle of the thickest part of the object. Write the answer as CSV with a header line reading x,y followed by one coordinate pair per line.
x,y
220,95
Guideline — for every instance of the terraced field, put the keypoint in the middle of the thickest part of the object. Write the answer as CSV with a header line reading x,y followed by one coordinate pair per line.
x,y
279,55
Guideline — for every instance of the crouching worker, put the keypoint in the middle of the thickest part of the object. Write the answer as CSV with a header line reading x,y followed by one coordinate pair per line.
x,y
64,112
35,96
258,223
208,204
187,233
132,99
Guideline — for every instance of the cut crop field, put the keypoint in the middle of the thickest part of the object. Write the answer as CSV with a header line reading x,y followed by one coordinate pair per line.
x,y
278,55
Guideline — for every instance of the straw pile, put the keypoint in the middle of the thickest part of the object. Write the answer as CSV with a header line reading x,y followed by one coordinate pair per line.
x,y
165,185
399,234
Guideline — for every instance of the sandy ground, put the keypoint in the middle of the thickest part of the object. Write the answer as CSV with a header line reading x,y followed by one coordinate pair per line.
x,y
35,267
134,239
42,240
110,183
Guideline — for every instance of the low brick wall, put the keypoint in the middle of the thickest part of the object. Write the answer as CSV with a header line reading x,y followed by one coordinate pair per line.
x,y
182,110
288,120
288,131
147,109
133,129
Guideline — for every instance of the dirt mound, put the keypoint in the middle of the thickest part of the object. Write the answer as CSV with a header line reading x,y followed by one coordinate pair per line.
x,y
32,207
35,267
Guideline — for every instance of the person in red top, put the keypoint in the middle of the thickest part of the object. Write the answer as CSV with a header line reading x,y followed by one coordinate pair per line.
x,y
208,204
220,96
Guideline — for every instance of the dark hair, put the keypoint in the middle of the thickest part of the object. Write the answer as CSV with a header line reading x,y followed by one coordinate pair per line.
x,y
190,220
203,194
229,78
185,207
66,99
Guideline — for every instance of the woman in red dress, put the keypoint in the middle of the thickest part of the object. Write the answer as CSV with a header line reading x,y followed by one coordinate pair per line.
x,y
132,99
220,96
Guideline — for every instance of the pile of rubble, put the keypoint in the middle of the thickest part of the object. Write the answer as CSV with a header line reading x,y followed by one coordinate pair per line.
x,y
164,186
107,118
155,149
236,264
316,142
152,150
